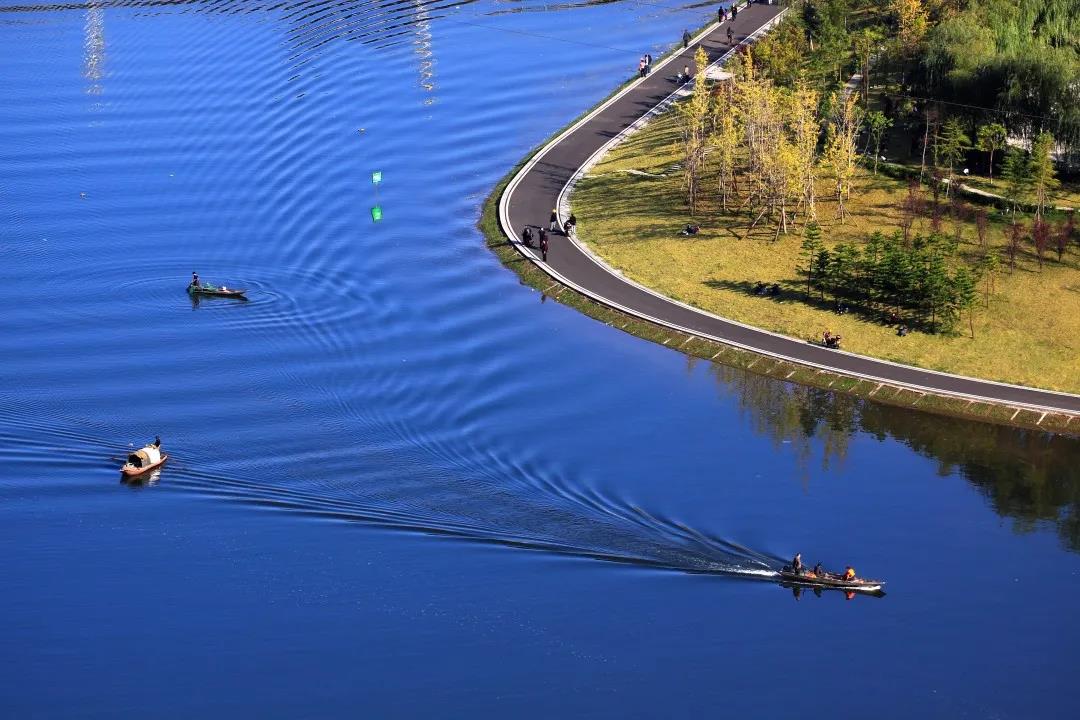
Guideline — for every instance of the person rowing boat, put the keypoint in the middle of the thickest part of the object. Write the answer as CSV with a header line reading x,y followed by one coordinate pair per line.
x,y
197,287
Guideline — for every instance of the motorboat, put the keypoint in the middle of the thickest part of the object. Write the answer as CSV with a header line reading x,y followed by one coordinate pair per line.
x,y
808,578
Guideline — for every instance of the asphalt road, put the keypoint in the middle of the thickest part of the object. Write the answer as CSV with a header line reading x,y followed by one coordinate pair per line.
x,y
531,196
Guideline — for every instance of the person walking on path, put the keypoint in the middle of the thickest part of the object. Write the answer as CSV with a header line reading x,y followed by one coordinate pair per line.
x,y
685,39
648,63
553,223
734,11
641,67
543,244
730,36
720,16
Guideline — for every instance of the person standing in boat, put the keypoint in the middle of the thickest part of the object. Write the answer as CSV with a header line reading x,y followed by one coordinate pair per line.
x,y
849,573
194,279
796,564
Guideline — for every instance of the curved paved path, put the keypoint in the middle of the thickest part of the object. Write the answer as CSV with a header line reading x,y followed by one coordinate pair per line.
x,y
542,183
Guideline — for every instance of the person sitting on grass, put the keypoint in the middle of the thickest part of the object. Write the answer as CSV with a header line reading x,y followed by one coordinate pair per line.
x,y
690,229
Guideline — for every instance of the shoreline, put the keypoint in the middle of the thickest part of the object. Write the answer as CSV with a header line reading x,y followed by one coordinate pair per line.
x,y
531,273
757,363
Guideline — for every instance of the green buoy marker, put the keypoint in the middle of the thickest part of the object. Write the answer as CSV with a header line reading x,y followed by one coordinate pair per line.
x,y
376,211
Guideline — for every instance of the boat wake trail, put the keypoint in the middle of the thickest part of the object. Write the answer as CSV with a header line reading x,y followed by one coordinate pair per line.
x,y
502,505
590,528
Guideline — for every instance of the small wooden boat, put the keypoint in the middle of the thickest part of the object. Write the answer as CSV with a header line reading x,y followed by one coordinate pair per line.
x,y
206,290
807,578
143,461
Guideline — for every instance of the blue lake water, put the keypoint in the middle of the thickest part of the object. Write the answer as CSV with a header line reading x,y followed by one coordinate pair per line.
x,y
402,484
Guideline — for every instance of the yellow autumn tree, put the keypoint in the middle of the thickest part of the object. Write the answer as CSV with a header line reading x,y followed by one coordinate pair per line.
x,y
806,128
694,116
912,23
778,130
841,154
724,142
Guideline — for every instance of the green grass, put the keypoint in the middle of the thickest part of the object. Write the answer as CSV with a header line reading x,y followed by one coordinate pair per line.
x,y
725,355
1029,334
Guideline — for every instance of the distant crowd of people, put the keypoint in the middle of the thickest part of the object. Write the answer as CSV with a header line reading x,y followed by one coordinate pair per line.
x,y
542,234
723,14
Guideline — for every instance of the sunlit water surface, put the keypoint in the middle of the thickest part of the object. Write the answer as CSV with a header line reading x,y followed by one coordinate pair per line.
x,y
402,484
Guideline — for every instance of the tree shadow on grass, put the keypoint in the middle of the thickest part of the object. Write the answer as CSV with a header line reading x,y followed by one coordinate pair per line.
x,y
794,290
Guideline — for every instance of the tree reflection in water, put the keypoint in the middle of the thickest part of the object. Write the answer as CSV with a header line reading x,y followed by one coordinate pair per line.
x,y
1030,477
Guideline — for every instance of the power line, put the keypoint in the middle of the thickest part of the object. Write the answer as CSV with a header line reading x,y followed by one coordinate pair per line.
x,y
998,111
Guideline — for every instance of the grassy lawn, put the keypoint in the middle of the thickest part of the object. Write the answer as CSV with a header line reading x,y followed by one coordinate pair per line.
x,y
1029,334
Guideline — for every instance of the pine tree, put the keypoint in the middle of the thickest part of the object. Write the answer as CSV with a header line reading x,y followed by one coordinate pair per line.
x,y
951,145
965,294
991,138
811,248
1016,173
870,267
824,263
845,270
1043,176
